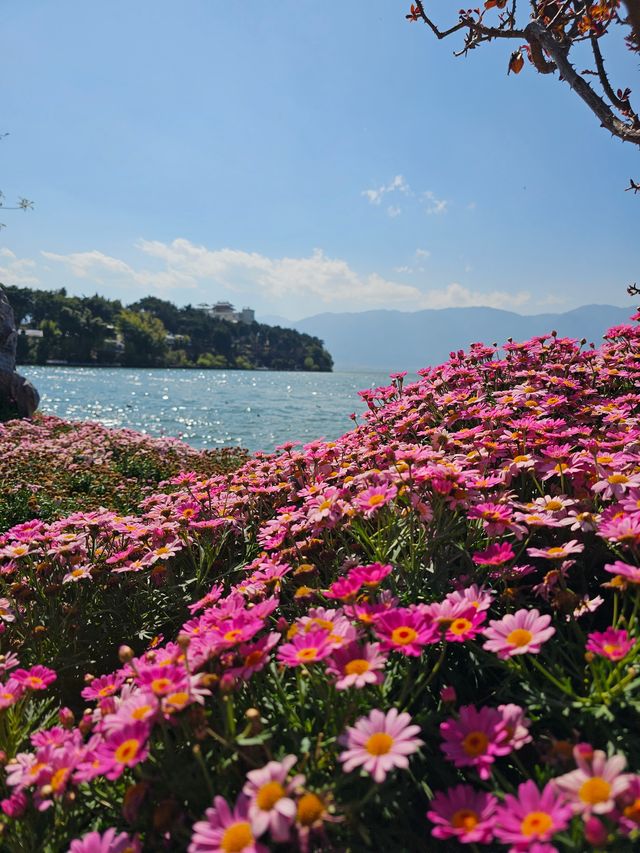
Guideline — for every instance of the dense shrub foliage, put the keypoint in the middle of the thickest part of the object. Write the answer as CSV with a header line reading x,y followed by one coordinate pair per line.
x,y
153,332
50,467
421,636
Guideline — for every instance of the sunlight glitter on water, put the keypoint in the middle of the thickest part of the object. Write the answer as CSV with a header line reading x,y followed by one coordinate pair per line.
x,y
255,409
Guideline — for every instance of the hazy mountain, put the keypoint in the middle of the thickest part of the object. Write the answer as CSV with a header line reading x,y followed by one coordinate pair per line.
x,y
399,340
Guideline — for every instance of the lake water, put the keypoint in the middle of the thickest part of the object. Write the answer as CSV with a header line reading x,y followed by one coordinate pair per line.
x,y
210,408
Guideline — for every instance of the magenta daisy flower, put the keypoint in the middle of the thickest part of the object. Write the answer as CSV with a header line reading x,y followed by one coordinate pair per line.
x,y
594,786
611,644
124,748
357,665
495,555
476,738
36,678
374,498
271,803
463,813
380,742
625,570
306,648
519,633
224,830
405,630
532,817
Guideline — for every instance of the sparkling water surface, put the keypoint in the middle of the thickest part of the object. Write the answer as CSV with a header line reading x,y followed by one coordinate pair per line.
x,y
208,408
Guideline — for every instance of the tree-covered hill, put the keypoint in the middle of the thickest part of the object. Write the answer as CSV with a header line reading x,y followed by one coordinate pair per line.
x,y
152,332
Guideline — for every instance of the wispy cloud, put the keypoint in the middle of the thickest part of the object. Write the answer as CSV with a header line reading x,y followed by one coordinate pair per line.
x,y
394,211
423,253
434,205
288,284
398,184
19,272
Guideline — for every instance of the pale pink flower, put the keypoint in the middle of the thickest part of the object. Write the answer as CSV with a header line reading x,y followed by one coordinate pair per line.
x,y
271,803
557,552
225,830
518,633
380,742
593,787
106,842
357,665
476,738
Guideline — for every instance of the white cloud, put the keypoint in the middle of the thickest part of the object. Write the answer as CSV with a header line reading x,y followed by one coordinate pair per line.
x,y
398,184
290,285
394,211
457,296
423,253
434,205
16,271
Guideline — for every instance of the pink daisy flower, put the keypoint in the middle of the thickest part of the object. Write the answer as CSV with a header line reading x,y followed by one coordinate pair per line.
x,y
532,818
225,830
495,555
517,726
593,787
630,573
476,738
557,552
405,630
106,842
124,748
518,633
306,648
36,678
271,804
357,665
465,626
371,500
380,742
611,644
472,596
463,813
372,574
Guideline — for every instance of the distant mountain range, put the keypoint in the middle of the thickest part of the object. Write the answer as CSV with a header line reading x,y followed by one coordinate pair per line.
x,y
400,340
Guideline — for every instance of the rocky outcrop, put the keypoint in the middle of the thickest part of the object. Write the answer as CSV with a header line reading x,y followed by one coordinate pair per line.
x,y
18,397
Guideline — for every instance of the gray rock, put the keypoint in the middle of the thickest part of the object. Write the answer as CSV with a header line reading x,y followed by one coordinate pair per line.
x,y
18,397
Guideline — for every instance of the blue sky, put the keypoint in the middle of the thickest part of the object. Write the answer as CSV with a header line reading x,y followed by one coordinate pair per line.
x,y
300,157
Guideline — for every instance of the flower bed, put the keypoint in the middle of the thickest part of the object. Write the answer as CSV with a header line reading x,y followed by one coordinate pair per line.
x,y
421,636
50,467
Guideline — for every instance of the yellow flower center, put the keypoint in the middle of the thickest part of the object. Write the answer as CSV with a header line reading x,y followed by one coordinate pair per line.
x,y
595,790
34,681
127,751
308,654
160,685
318,623
403,636
519,637
232,636
460,626
310,809
141,712
554,505
177,699
614,479
521,458
357,666
613,650
379,744
253,658
268,795
556,551
59,778
236,837
374,500
465,819
107,690
633,811
536,823
475,743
